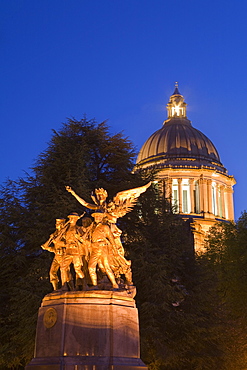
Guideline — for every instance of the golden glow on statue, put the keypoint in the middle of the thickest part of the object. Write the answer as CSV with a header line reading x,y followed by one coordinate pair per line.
x,y
94,249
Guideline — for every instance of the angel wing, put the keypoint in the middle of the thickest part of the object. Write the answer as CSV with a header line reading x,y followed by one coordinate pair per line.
x,y
125,200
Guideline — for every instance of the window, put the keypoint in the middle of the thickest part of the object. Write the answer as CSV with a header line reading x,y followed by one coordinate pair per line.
x,y
197,198
175,200
185,201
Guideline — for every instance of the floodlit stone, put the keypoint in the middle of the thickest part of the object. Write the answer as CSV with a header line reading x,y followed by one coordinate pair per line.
x,y
88,330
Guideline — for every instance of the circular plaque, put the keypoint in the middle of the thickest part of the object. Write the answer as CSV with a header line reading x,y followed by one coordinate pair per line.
x,y
50,317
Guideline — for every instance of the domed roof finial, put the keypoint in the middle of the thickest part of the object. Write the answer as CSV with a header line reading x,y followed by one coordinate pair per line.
x,y
176,106
176,92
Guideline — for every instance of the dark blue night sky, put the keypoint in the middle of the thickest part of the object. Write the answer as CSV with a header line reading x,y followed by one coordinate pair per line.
x,y
118,60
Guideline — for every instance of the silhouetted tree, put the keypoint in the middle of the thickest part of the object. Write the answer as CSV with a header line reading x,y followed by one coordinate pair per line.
x,y
82,154
227,257
176,294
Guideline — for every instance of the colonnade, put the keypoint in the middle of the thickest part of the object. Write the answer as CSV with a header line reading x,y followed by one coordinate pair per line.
x,y
205,195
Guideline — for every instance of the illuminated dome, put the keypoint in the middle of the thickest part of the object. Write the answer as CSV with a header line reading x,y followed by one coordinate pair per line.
x,y
178,144
188,172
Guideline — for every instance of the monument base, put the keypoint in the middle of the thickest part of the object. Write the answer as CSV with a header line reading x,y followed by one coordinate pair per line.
x,y
87,330
86,363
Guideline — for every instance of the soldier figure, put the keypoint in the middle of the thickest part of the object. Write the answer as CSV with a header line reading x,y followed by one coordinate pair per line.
x,y
74,248
102,245
58,248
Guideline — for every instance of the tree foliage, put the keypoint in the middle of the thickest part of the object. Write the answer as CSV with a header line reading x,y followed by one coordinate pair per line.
x,y
227,253
82,154
227,257
176,296
192,309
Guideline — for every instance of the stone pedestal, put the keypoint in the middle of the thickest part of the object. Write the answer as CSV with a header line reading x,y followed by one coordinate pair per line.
x,y
88,330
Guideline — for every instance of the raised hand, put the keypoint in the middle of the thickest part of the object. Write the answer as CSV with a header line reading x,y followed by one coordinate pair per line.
x,y
69,189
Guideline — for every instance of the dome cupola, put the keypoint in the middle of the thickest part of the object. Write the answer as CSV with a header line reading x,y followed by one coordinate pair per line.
x,y
178,143
176,106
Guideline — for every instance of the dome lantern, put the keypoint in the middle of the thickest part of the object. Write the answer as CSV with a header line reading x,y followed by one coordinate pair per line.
x,y
176,106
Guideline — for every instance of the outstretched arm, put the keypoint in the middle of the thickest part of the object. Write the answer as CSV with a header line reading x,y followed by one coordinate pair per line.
x,y
80,200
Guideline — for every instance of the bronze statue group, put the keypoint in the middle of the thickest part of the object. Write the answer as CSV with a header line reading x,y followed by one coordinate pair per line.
x,y
94,249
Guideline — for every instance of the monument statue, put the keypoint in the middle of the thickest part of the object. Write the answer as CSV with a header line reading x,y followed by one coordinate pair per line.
x,y
95,248
114,264
92,324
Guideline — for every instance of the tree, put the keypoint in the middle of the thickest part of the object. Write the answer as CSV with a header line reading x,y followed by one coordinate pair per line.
x,y
176,295
82,154
227,258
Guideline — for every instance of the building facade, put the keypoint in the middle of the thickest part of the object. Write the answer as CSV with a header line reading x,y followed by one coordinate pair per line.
x,y
189,171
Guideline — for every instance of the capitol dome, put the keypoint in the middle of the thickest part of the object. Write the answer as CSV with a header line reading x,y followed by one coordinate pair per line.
x,y
178,143
188,171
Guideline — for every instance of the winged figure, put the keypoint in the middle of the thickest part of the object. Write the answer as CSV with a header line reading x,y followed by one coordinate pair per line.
x,y
122,203
106,249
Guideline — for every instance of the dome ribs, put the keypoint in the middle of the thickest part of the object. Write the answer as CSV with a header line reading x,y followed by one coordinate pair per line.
x,y
178,143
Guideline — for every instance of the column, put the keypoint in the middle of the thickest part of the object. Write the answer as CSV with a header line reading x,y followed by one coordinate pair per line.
x,y
201,206
222,189
180,196
168,188
209,186
217,200
197,196
229,203
205,195
192,192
